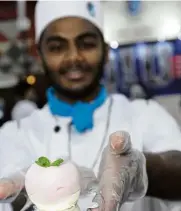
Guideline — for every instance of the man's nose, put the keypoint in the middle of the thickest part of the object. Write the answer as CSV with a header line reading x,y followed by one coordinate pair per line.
x,y
73,54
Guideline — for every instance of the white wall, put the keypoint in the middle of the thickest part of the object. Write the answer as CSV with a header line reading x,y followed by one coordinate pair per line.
x,y
157,20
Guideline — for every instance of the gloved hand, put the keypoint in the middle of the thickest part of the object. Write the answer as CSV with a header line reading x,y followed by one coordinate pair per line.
x,y
10,187
7,188
122,174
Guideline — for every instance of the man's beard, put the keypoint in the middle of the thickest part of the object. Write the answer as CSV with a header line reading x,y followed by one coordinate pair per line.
x,y
79,93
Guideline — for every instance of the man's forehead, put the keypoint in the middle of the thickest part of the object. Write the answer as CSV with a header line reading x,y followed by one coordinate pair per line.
x,y
69,28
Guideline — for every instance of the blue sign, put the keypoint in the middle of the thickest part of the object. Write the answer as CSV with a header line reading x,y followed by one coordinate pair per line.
x,y
156,65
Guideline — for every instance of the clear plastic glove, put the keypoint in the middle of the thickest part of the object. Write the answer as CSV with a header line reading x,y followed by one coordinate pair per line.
x,y
122,174
7,188
10,187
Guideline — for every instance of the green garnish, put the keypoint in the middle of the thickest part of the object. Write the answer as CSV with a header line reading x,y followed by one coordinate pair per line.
x,y
45,162
57,162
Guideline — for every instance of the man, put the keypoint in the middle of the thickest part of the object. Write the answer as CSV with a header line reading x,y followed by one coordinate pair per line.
x,y
79,115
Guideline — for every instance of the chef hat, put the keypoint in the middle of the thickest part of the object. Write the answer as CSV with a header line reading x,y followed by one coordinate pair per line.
x,y
49,11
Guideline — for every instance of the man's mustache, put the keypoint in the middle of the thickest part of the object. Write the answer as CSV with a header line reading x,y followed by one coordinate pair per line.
x,y
82,68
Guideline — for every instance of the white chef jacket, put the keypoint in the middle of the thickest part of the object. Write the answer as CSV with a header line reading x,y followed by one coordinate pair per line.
x,y
150,126
23,108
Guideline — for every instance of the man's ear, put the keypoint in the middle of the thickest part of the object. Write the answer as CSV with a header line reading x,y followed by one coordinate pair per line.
x,y
107,48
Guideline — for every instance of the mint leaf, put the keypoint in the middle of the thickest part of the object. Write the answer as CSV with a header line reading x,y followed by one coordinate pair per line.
x,y
43,162
57,162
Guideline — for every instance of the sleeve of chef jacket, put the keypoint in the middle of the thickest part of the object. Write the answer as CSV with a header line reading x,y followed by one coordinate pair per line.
x,y
14,154
162,133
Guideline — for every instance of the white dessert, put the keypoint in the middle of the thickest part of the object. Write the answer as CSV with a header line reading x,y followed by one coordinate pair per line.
x,y
53,188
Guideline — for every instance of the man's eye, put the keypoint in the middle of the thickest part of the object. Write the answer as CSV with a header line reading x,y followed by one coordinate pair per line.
x,y
87,45
55,48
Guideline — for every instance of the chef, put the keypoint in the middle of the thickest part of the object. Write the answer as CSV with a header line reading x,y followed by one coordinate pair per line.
x,y
80,115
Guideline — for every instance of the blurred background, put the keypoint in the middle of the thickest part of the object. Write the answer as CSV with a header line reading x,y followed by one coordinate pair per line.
x,y
145,54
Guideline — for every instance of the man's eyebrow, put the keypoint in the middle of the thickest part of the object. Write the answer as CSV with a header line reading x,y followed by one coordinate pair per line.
x,y
87,35
55,38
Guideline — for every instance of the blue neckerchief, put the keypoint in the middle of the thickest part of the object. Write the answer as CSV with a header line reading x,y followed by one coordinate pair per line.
x,y
81,113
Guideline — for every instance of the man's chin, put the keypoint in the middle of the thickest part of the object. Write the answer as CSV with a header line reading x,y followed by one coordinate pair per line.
x,y
76,93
